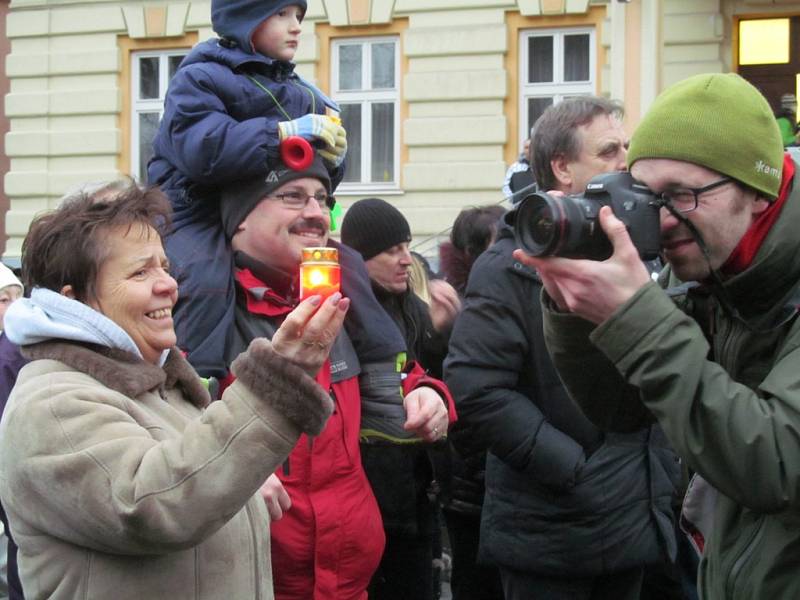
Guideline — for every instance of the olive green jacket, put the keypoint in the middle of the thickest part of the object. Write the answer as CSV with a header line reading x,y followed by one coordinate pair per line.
x,y
725,389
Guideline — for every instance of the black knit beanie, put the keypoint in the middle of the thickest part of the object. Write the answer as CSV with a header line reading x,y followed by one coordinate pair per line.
x,y
241,197
373,225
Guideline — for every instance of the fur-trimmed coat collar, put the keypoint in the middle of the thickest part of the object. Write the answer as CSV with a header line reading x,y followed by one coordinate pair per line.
x,y
122,371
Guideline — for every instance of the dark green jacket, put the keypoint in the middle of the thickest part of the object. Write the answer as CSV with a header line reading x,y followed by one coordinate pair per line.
x,y
727,396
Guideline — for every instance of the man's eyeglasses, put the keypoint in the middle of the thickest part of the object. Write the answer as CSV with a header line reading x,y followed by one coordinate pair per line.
x,y
297,200
684,199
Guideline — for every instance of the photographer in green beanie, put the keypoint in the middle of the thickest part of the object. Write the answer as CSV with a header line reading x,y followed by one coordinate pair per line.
x,y
716,359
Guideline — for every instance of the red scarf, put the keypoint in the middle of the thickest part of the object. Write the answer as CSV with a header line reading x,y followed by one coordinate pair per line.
x,y
744,253
262,299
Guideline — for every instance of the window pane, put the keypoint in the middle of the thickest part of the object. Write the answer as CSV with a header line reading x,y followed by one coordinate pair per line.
x,y
764,41
576,57
174,62
382,66
540,59
382,150
148,126
351,120
350,65
536,106
148,77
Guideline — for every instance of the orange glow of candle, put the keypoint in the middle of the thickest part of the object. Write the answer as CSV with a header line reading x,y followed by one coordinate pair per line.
x,y
319,272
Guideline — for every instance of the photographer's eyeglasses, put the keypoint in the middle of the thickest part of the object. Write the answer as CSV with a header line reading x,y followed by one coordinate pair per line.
x,y
685,199
297,200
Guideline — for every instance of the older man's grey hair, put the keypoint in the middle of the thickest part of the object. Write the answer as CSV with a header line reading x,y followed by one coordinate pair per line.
x,y
555,133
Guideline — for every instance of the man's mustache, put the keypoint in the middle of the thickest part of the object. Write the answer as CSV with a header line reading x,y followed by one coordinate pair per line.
x,y
312,223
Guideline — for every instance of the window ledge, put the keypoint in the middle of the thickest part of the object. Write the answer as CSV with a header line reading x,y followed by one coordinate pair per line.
x,y
370,190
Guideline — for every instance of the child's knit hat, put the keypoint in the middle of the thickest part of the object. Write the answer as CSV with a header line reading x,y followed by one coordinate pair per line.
x,y
236,20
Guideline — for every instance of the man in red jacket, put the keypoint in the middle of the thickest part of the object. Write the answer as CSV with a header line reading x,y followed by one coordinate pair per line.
x,y
327,537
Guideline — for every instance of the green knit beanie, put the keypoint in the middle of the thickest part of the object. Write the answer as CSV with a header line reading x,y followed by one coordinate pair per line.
x,y
718,121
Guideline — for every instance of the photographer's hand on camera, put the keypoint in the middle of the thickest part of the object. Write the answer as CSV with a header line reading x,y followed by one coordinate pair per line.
x,y
588,288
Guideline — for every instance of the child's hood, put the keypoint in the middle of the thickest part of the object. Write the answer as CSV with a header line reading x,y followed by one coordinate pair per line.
x,y
236,20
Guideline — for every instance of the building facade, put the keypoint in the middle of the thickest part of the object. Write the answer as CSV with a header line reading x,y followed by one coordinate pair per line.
x,y
437,95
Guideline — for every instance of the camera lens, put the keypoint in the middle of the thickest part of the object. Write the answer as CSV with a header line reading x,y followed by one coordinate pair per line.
x,y
539,224
560,226
542,227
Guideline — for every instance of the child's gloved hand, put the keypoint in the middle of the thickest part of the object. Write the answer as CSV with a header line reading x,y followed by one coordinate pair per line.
x,y
335,156
311,127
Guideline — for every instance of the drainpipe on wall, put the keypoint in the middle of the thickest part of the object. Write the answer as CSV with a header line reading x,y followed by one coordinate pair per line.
x,y
5,163
616,13
652,43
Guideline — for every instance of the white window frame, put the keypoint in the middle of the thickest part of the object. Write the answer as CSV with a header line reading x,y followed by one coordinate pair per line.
x,y
148,105
367,97
558,89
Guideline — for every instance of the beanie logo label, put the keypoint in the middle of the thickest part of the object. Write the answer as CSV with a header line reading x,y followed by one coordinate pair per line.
x,y
272,177
762,167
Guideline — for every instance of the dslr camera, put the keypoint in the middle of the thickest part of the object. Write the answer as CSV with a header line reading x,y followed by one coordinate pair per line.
x,y
568,226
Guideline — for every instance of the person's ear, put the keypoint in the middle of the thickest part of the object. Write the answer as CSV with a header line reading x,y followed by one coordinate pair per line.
x,y
68,292
760,204
561,170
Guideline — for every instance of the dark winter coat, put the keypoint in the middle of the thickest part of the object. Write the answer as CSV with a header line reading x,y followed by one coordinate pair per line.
x,y
219,126
401,475
562,499
11,361
423,343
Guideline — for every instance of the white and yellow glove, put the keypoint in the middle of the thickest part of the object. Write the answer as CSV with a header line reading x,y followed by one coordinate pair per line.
x,y
311,128
335,156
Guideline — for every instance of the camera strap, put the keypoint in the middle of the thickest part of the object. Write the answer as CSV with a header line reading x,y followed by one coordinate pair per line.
x,y
693,230
788,312
716,280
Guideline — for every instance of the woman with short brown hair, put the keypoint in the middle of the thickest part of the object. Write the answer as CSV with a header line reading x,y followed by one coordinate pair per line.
x,y
119,476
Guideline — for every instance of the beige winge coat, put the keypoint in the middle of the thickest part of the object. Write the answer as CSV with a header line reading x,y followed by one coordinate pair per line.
x,y
119,484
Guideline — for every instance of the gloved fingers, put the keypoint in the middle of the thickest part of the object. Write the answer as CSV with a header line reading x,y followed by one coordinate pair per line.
x,y
327,155
333,158
306,126
341,135
339,149
313,126
286,129
327,137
